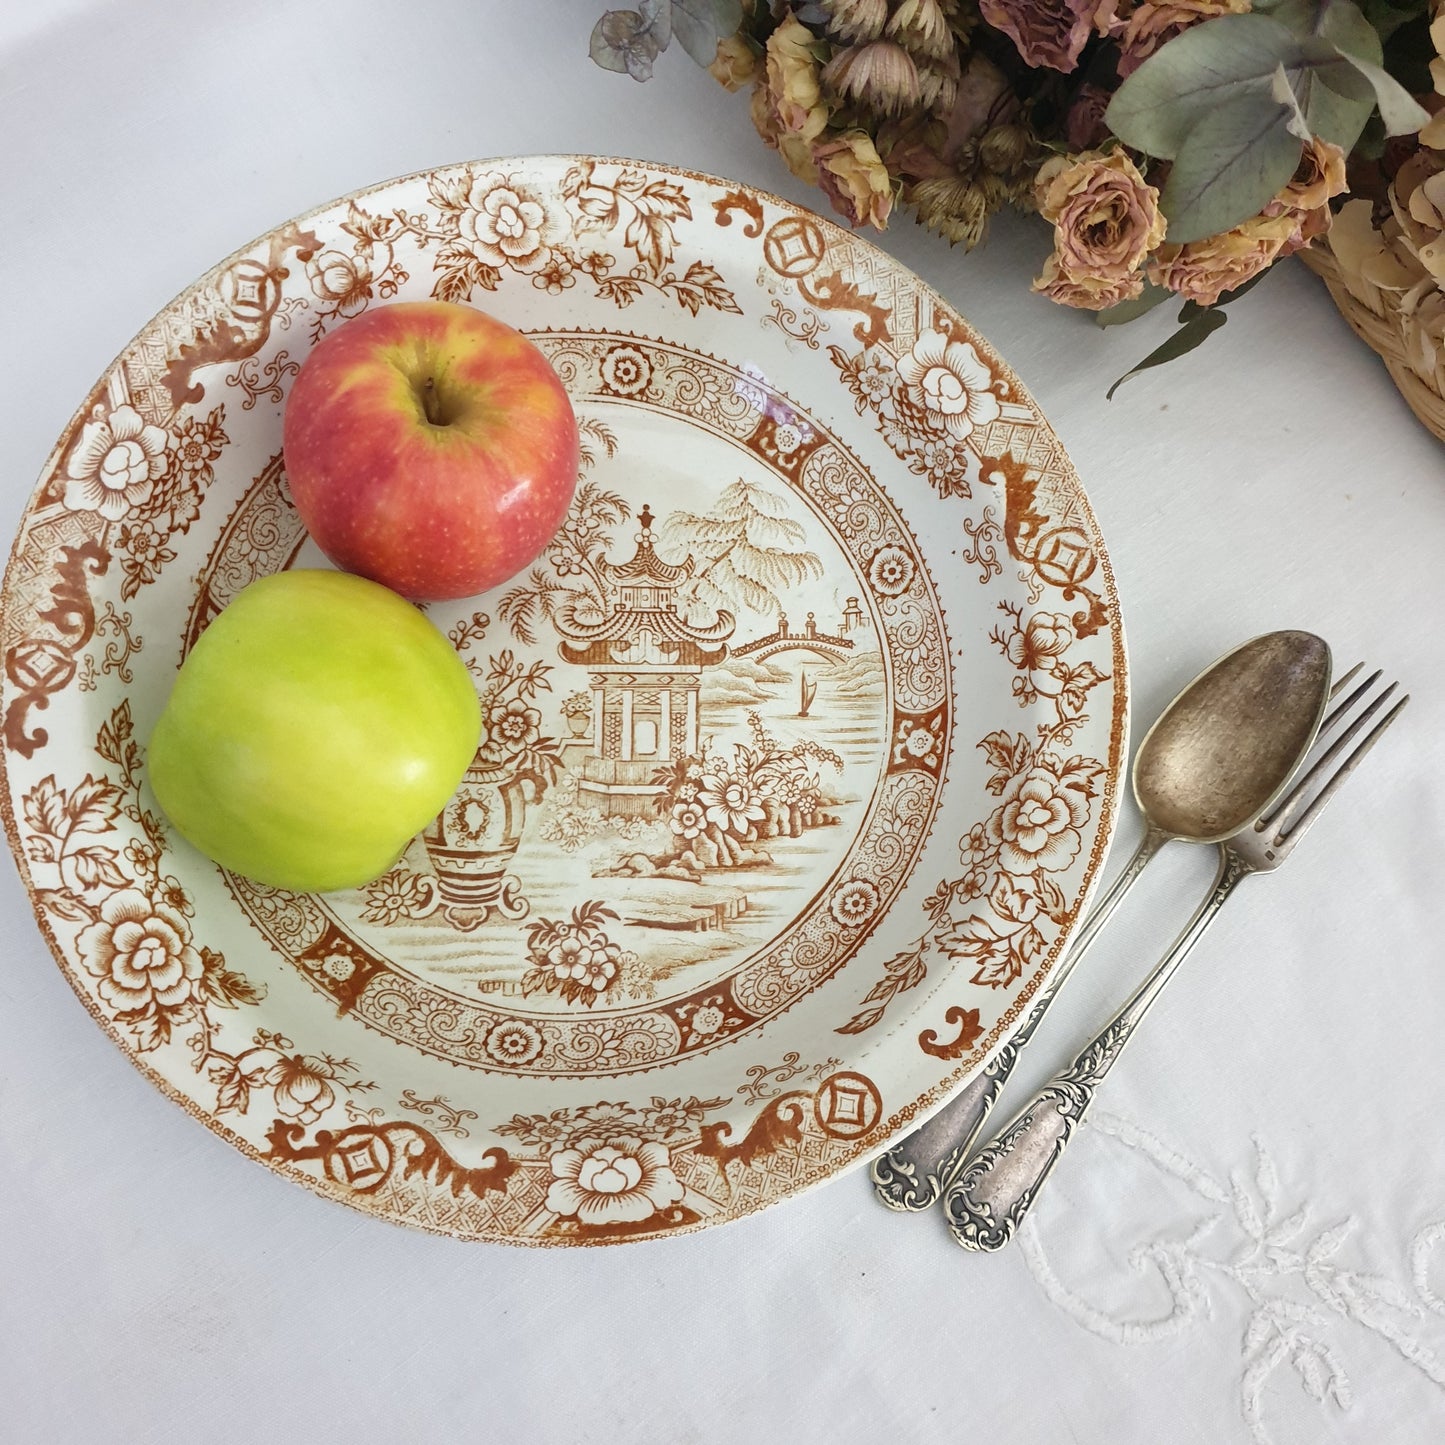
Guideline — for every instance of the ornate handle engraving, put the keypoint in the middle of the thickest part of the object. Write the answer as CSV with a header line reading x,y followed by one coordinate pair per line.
x,y
914,1173
998,1185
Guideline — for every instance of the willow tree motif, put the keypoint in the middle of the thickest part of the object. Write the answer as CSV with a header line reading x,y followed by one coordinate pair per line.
x,y
748,549
568,573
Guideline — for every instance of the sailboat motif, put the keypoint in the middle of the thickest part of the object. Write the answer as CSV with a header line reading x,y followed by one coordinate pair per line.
x,y
809,691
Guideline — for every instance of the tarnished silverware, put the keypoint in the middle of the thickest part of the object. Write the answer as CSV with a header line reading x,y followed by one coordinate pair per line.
x,y
997,1186
1217,757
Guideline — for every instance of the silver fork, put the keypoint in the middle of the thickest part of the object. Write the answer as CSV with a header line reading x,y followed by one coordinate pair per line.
x,y
995,1189
918,1170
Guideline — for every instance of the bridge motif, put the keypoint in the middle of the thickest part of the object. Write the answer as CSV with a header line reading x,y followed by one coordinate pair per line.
x,y
824,644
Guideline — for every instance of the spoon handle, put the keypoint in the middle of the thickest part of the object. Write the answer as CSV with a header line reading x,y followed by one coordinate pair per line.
x,y
917,1170
996,1187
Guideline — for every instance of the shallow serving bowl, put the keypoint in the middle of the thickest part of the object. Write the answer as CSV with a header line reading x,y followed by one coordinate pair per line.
x,y
802,748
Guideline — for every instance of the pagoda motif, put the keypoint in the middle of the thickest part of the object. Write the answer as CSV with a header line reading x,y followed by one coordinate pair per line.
x,y
645,663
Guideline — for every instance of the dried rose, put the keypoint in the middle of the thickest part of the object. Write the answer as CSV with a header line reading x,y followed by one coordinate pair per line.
x,y
1149,24
1319,176
1106,216
1049,33
791,71
1088,293
1084,124
795,149
735,64
765,118
855,179
787,106
1203,270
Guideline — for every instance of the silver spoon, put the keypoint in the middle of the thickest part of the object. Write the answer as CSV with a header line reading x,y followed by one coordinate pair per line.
x,y
999,1184
1216,759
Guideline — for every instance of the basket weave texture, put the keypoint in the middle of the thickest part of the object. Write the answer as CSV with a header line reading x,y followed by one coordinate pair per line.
x,y
1383,332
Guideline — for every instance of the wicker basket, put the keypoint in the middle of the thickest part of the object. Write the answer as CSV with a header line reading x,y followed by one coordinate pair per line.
x,y
1381,332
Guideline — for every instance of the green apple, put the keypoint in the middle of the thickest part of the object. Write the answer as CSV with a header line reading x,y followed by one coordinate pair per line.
x,y
317,726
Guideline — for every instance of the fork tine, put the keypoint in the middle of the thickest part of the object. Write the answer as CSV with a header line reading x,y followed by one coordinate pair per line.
x,y
1277,820
1295,833
1332,721
1343,680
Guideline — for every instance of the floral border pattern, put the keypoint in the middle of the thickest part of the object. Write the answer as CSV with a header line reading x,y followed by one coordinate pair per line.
x,y
153,977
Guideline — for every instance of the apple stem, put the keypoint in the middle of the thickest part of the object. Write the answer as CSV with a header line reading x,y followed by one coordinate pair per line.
x,y
430,403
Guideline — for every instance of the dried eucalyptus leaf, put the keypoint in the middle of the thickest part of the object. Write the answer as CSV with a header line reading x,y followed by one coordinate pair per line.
x,y
1282,91
604,50
1386,18
1371,144
1230,166
628,41
1191,309
1356,44
1298,15
1123,312
1338,101
1342,24
1399,110
700,24
657,21
1192,75
1192,333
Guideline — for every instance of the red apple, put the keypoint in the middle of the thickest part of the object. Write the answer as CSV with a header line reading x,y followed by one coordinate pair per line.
x,y
431,448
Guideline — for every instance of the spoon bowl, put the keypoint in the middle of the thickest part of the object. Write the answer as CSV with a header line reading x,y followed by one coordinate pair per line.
x,y
1225,748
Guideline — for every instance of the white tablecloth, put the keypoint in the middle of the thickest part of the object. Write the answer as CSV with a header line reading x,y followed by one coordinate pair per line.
x,y
1247,1244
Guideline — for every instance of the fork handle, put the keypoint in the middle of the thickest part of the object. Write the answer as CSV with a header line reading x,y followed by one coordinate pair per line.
x,y
917,1170
997,1186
